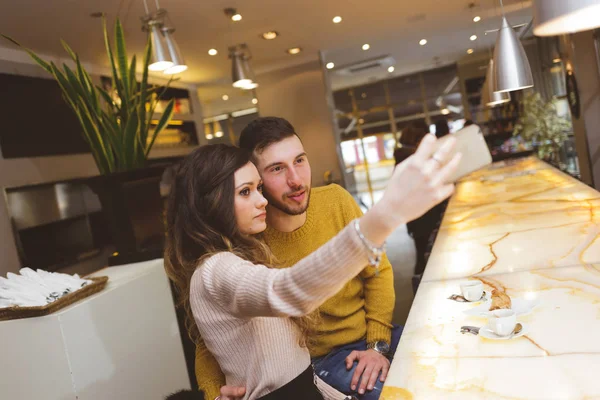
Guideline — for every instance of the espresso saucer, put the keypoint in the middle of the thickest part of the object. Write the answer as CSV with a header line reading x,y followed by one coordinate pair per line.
x,y
488,333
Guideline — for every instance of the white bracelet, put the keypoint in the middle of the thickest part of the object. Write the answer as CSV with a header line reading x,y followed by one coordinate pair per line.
x,y
376,252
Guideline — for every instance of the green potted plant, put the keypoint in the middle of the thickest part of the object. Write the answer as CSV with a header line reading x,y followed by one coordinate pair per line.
x,y
116,124
541,125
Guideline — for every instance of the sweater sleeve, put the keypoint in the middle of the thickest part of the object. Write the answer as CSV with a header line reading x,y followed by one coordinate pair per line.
x,y
247,290
378,284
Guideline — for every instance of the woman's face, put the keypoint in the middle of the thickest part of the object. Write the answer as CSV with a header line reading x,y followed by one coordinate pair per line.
x,y
249,203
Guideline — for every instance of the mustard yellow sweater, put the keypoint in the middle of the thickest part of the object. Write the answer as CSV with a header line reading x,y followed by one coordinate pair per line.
x,y
361,310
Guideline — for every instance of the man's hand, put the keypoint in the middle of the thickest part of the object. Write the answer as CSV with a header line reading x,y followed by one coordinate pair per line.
x,y
370,363
231,393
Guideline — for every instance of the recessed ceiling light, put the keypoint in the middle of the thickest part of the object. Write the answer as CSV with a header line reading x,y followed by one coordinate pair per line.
x,y
212,52
366,46
225,97
391,69
337,19
423,42
330,65
361,121
236,17
270,35
470,51
219,134
255,101
473,37
209,136
294,50
363,95
477,18
445,111
556,60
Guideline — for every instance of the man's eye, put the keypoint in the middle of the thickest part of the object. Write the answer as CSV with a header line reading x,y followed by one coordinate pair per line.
x,y
245,192
260,188
276,169
300,160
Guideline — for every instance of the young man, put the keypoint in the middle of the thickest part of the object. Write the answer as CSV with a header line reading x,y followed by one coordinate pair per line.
x,y
354,337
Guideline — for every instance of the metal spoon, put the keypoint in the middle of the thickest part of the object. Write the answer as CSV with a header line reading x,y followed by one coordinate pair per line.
x,y
516,331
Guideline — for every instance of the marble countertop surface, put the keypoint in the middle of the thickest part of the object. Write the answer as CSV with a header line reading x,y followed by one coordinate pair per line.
x,y
528,230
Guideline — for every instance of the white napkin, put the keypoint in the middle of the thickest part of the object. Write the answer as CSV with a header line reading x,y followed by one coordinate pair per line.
x,y
37,288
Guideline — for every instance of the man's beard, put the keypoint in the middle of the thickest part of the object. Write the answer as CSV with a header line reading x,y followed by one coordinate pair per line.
x,y
282,206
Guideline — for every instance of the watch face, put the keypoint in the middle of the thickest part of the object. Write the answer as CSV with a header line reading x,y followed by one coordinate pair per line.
x,y
382,347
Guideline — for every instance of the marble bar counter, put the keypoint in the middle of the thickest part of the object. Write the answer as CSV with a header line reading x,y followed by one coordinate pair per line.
x,y
528,230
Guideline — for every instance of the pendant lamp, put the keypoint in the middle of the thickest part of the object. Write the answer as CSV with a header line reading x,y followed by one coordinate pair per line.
x,y
557,17
511,66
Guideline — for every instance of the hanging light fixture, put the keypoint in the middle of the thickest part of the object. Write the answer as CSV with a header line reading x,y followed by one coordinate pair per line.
x,y
160,56
166,55
557,17
174,52
511,66
217,129
493,97
241,73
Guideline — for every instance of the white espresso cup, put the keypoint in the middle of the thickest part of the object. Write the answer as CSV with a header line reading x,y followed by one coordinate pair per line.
x,y
502,322
472,290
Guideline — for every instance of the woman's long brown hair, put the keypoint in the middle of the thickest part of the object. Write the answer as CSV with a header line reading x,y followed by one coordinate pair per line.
x,y
201,222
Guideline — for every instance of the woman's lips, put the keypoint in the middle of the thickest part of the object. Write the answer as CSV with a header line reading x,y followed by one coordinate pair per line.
x,y
262,215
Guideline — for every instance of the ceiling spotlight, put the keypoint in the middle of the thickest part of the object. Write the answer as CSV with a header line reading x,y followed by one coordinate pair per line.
x,y
337,19
209,136
361,121
233,14
255,101
212,52
477,19
270,35
366,46
470,51
330,65
391,69
294,50
473,37
423,42
556,60
445,111
225,97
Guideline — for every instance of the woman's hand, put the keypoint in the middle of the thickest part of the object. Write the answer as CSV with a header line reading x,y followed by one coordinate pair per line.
x,y
417,184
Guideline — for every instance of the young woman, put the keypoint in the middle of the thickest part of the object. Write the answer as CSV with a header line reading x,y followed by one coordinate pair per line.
x,y
252,316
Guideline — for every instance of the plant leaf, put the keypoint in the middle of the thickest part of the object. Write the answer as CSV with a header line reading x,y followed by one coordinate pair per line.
x,y
116,82
122,59
34,56
164,120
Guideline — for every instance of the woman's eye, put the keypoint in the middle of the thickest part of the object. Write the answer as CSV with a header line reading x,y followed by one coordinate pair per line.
x,y
245,192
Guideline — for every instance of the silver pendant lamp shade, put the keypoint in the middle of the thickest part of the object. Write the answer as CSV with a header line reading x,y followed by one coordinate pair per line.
x,y
174,52
241,73
161,59
489,95
511,66
557,17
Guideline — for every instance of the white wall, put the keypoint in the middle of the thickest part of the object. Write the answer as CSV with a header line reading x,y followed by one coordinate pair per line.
x,y
298,94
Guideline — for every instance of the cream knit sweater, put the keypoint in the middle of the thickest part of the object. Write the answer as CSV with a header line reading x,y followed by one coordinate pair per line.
x,y
242,310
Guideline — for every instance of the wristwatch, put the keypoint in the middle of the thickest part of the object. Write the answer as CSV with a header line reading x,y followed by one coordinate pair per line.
x,y
380,346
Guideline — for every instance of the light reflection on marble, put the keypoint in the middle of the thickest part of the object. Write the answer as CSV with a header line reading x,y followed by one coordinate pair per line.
x,y
534,237
488,225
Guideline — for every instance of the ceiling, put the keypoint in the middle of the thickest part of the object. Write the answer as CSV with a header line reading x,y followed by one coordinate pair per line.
x,y
390,27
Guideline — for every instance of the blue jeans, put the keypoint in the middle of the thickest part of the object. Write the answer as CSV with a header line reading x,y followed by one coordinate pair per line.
x,y
332,367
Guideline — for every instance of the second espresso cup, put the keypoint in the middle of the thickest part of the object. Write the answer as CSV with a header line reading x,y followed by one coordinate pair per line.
x,y
502,322
472,290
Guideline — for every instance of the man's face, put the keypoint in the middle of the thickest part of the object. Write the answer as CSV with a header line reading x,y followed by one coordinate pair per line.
x,y
286,175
